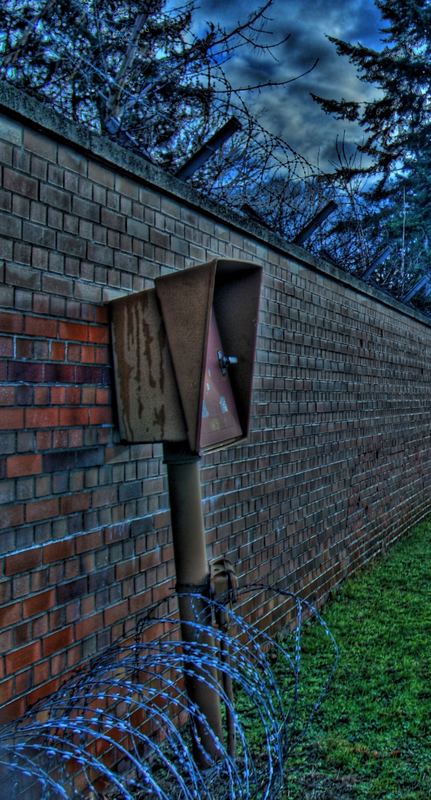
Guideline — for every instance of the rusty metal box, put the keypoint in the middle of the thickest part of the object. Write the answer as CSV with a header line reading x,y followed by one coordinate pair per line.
x,y
184,355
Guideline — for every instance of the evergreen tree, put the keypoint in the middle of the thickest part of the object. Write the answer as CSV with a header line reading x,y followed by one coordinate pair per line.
x,y
398,122
397,125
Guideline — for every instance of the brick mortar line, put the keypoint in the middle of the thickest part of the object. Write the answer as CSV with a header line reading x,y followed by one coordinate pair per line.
x,y
104,529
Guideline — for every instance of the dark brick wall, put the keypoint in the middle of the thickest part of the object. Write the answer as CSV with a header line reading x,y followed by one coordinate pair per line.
x,y
338,462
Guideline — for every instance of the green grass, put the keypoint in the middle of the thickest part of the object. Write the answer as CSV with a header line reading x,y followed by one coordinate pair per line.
x,y
371,737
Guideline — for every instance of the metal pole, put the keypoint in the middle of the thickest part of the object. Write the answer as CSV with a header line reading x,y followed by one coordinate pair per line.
x,y
193,576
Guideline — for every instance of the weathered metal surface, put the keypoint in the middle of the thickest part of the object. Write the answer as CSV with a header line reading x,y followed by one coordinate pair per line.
x,y
315,222
164,343
192,571
219,418
149,407
230,289
185,300
236,307
209,148
423,283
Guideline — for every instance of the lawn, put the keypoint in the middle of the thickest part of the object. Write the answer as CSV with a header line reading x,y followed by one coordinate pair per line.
x,y
371,738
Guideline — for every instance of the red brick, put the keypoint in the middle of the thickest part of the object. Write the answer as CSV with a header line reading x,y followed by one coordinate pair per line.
x,y
58,351
6,347
21,371
74,655
6,640
10,615
41,395
44,509
74,502
73,416
102,314
23,561
72,567
11,323
10,712
88,605
23,682
127,568
41,417
40,144
23,657
98,335
89,541
38,603
58,551
24,349
6,691
114,613
74,352
73,331
23,465
40,326
45,690
140,601
5,590
89,395
160,592
103,355
59,373
167,553
57,641
100,416
41,672
148,560
11,515
73,395
7,396
75,437
44,439
88,354
41,626
103,397
88,626
11,418
58,395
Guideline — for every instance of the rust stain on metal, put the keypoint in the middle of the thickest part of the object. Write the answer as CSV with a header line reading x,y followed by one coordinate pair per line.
x,y
148,340
162,347
133,328
123,343
160,419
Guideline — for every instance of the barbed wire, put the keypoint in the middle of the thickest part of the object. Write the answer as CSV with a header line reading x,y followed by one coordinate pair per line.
x,y
254,173
255,168
118,728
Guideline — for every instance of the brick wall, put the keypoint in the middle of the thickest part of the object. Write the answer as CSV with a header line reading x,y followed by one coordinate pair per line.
x,y
338,462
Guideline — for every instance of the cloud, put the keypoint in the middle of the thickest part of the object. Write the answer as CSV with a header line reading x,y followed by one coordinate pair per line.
x,y
289,111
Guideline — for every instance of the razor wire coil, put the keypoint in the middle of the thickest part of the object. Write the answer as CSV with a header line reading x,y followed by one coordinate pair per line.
x,y
118,728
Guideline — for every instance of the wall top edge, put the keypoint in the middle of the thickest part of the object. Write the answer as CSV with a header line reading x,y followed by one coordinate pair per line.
x,y
19,105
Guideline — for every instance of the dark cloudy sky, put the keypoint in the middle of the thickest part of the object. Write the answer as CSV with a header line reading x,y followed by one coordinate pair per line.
x,y
290,112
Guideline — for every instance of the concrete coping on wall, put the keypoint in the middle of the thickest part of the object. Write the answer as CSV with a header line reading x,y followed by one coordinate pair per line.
x,y
17,104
